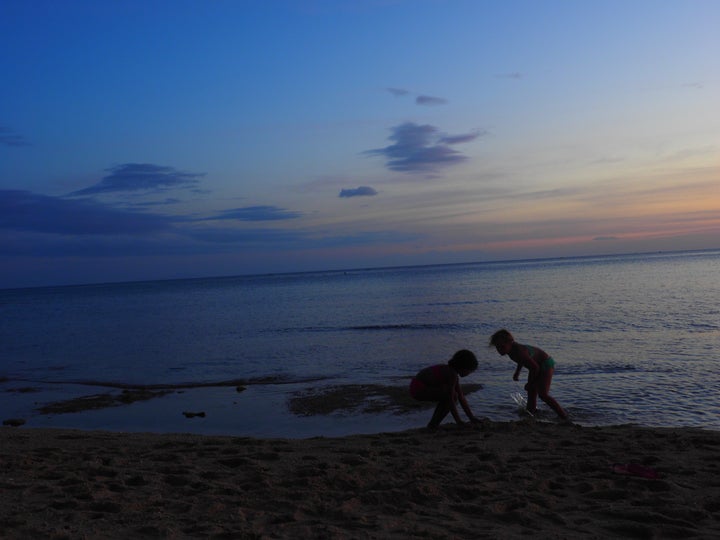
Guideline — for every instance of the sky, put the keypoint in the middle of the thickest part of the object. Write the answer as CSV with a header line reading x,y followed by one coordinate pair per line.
x,y
172,139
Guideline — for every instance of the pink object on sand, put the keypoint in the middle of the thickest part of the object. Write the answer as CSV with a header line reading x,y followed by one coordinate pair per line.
x,y
635,469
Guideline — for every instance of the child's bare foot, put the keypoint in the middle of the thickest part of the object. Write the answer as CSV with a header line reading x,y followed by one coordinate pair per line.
x,y
432,427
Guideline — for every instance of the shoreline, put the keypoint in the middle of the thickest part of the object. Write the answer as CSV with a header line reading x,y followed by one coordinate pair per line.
x,y
265,410
506,479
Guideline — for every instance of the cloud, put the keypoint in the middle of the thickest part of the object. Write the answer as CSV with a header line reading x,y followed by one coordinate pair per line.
x,y
420,99
26,211
459,139
605,238
255,213
429,100
420,148
398,92
247,238
10,138
141,177
362,191
166,202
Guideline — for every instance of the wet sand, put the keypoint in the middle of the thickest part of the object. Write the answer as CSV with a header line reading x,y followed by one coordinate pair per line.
x,y
504,480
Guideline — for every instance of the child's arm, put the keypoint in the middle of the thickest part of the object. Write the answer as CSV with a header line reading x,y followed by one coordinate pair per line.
x,y
464,403
455,394
516,375
523,359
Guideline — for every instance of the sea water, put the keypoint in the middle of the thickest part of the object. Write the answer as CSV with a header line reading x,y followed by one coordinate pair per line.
x,y
635,339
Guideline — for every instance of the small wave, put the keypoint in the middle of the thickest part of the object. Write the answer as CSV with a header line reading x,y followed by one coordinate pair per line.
x,y
702,327
410,326
383,328
460,303
599,369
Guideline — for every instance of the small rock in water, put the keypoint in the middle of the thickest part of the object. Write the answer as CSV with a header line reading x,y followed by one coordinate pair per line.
x,y
194,414
241,388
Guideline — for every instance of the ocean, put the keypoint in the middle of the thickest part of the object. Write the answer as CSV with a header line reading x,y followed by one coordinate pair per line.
x,y
635,338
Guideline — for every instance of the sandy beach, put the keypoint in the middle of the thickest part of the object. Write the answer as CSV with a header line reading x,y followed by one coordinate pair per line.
x,y
504,480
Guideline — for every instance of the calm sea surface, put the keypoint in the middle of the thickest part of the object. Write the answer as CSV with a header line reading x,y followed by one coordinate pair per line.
x,y
635,338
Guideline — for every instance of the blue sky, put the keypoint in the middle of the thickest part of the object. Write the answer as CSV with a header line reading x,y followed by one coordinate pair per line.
x,y
167,139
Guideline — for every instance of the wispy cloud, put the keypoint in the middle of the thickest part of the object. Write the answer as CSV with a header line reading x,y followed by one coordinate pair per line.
x,y
255,213
165,202
430,100
362,191
247,238
10,138
459,139
398,92
421,148
44,226
26,211
130,177
420,99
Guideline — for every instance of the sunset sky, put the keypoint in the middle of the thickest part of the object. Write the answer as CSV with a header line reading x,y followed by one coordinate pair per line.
x,y
170,138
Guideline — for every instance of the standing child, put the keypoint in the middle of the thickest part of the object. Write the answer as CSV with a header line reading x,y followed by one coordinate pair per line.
x,y
540,365
441,383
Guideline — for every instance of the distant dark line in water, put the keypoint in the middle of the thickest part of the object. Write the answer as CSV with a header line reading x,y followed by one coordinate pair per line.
x,y
471,263
609,368
269,380
464,303
382,327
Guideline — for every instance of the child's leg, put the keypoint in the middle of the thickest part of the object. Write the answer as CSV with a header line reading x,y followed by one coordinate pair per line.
x,y
440,394
444,406
441,411
532,394
543,390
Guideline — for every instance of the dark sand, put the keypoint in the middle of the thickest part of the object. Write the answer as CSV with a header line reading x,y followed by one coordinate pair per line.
x,y
505,480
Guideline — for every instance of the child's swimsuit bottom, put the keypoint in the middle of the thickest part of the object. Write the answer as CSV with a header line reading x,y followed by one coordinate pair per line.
x,y
547,364
416,386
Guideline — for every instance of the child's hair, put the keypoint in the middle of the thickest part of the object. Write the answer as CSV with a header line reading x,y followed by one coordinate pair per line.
x,y
464,359
501,336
